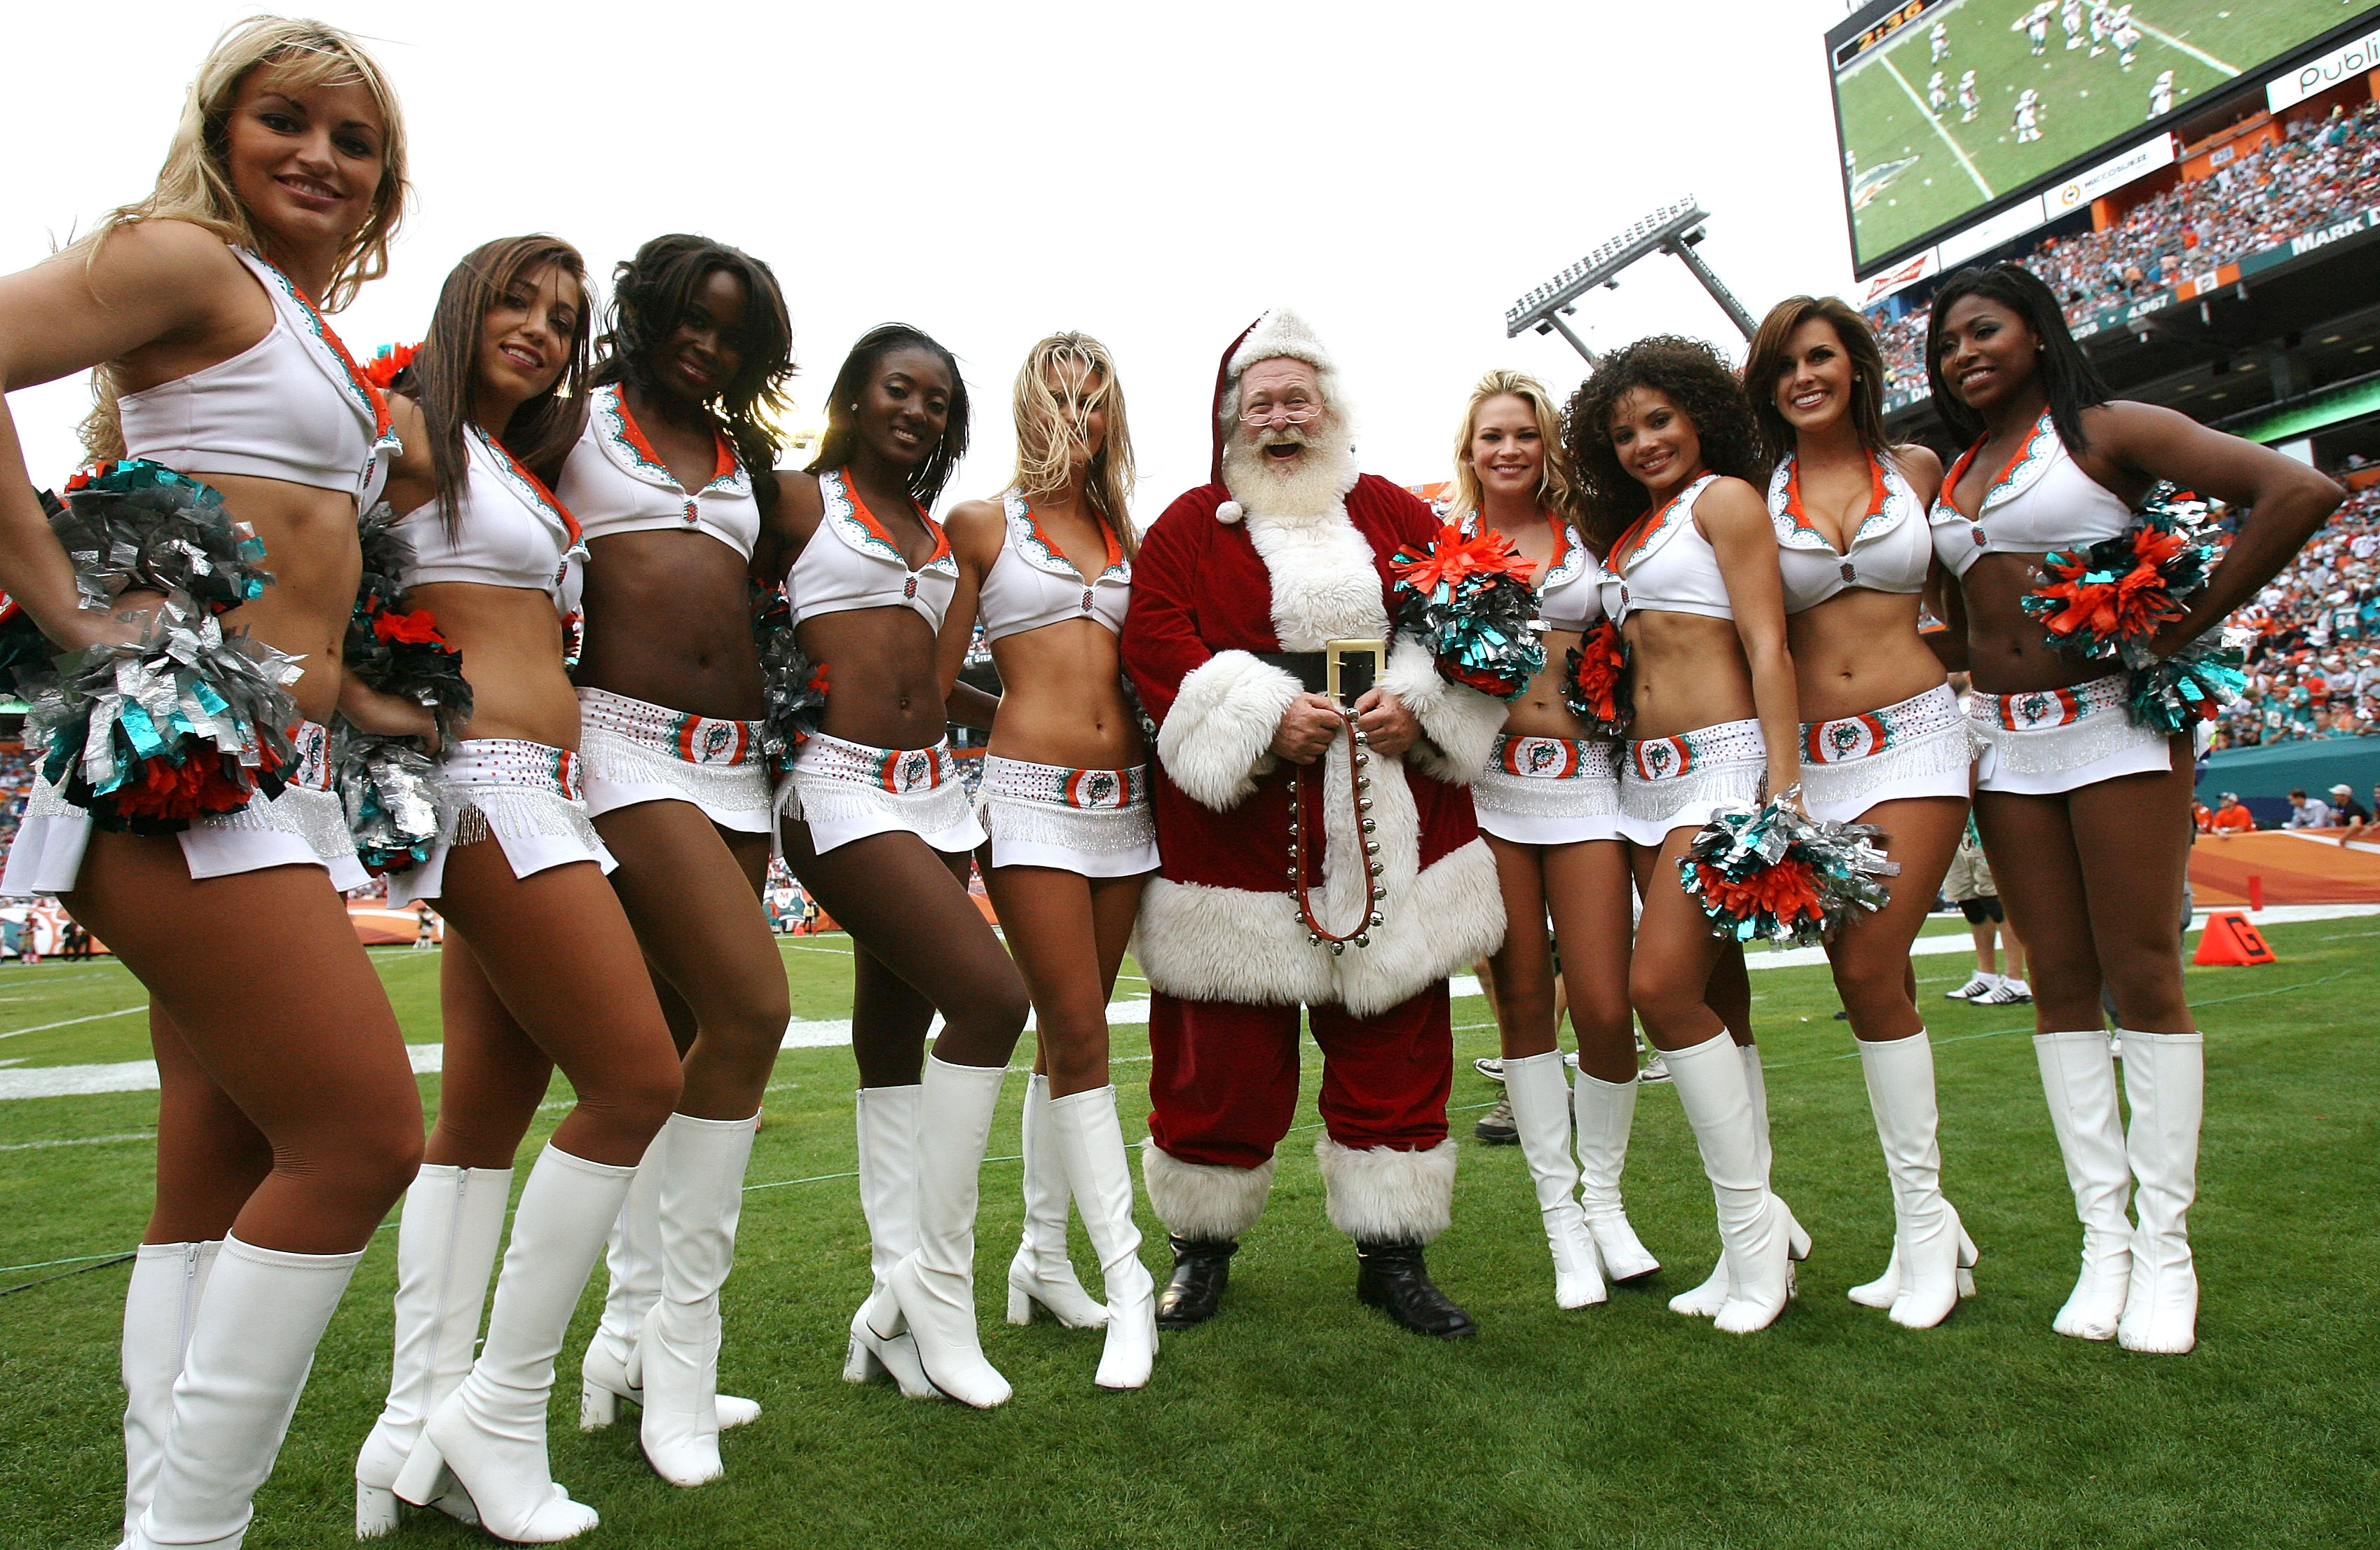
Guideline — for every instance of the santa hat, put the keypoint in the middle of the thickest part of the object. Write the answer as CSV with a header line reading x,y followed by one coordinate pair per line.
x,y
1279,334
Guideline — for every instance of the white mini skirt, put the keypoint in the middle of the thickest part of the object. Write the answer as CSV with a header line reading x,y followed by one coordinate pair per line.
x,y
1548,791
1919,747
631,752
1096,822
845,791
523,795
2043,741
1677,782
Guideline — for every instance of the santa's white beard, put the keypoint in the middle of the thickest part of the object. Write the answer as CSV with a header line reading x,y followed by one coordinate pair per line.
x,y
1311,484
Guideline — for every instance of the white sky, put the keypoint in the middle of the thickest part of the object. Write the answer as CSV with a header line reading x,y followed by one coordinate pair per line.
x,y
1154,175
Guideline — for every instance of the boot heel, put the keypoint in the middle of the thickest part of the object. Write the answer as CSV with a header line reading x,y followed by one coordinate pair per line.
x,y
418,1481
598,1407
1020,1305
860,1363
375,1510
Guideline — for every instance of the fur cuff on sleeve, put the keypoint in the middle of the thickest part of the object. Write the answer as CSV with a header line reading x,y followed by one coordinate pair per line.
x,y
1218,737
1461,721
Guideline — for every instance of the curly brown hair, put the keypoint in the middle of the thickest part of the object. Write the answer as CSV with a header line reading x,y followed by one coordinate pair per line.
x,y
1691,374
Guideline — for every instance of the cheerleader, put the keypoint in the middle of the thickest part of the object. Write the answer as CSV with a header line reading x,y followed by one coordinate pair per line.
x,y
288,1122
541,968
672,478
1549,802
1662,443
879,830
1883,741
2084,812
1048,571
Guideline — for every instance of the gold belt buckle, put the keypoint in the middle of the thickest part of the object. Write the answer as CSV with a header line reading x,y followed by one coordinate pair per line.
x,y
1337,654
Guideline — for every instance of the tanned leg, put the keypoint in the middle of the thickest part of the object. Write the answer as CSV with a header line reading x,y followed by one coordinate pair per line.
x,y
210,1158
1590,890
2132,835
1870,956
2030,845
1677,965
1521,971
1068,934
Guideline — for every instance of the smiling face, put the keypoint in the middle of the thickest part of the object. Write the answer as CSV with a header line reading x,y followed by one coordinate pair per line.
x,y
1657,443
1282,410
1813,386
304,162
905,407
1987,351
705,351
1507,450
525,341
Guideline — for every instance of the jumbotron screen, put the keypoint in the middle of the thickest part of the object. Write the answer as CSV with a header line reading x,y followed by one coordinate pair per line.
x,y
1947,106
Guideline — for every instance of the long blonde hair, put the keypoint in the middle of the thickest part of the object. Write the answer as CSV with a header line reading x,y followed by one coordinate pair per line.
x,y
194,185
1046,434
1554,489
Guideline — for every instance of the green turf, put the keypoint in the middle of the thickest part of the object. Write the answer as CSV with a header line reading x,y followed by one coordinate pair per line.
x,y
2090,102
1300,1419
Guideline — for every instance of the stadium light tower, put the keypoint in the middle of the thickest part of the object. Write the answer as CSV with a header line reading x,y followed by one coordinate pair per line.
x,y
1674,229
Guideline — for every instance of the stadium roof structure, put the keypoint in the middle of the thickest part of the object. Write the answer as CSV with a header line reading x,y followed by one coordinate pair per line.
x,y
1674,229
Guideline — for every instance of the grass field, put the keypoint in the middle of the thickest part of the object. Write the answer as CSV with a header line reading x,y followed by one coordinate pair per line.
x,y
1301,1418
1948,166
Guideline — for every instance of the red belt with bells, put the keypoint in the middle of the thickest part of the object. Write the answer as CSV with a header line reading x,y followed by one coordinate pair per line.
x,y
1359,760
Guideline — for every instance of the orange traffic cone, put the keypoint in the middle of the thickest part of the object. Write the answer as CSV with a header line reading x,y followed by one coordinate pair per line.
x,y
2230,941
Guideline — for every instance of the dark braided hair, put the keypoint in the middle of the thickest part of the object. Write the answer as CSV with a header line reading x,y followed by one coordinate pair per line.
x,y
842,438
2068,378
1691,374
650,294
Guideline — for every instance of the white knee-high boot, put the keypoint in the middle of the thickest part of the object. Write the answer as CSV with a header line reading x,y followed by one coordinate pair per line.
x,y
2164,1075
1040,1272
161,1307
1606,1113
888,1121
612,1369
1707,1299
1538,1087
445,1250
1088,1138
250,1348
2078,1078
932,1293
1752,1223
491,1431
702,1199
1932,1254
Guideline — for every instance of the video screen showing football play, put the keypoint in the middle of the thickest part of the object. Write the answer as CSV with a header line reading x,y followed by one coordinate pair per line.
x,y
1947,106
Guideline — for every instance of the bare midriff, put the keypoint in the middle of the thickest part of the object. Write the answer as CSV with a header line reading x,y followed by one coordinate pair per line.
x,y
881,686
1542,711
1859,651
1687,671
669,621
510,641
1062,698
2007,651
310,547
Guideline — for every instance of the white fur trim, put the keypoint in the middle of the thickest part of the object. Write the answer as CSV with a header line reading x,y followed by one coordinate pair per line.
x,y
1380,1194
1204,1201
1462,724
1230,511
1228,944
1218,738
1281,333
1324,586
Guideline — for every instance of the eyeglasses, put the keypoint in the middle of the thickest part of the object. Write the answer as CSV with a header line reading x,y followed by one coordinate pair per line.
x,y
1287,415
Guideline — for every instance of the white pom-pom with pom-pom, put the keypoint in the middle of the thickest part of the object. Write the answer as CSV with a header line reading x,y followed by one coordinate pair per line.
x,y
1230,511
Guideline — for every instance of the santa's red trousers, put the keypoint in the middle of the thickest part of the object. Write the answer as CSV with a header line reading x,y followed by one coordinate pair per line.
x,y
1225,1080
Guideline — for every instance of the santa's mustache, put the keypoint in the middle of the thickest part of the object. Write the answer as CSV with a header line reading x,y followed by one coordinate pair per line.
x,y
1281,436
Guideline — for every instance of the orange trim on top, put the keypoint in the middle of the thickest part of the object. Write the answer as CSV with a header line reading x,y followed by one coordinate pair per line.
x,y
876,529
726,464
1875,502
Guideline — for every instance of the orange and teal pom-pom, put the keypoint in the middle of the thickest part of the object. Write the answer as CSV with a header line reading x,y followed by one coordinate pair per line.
x,y
1770,874
1595,681
1468,600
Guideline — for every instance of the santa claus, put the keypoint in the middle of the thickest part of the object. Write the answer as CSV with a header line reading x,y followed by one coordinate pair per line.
x,y
1315,854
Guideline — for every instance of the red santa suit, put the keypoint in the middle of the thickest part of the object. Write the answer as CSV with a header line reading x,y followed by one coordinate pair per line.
x,y
1229,959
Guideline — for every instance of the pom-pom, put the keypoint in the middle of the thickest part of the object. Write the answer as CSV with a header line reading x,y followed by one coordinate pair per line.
x,y
2104,603
185,723
137,526
1772,874
1594,681
2173,694
1468,602
1230,511
793,688
397,809
386,363
397,649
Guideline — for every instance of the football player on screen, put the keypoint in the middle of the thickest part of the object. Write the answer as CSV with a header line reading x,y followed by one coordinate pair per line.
x,y
2161,94
1938,96
1970,102
1940,39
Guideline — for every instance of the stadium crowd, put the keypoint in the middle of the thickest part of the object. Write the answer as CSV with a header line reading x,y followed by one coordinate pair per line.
x,y
2313,667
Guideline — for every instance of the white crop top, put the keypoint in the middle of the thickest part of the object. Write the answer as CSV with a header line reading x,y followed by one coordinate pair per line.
x,y
618,483
2042,501
1032,583
1889,549
1663,565
510,530
1568,591
291,407
852,562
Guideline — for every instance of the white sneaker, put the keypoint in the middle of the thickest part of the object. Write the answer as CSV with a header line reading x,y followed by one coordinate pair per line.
x,y
1489,1066
2007,993
1976,986
1655,1069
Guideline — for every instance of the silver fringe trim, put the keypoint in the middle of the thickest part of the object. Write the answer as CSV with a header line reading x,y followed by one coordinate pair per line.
x,y
1100,830
2055,750
1499,790
45,802
317,817
508,812
816,798
1951,748
1651,801
730,787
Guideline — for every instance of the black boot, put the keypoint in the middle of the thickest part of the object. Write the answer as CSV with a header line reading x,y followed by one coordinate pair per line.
x,y
1202,1267
1394,1280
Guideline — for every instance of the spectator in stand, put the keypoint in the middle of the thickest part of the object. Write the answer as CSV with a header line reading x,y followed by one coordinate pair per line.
x,y
2344,809
2307,812
2231,816
2364,829
2201,815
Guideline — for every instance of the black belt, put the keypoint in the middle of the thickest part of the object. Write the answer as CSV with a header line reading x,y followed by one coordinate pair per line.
x,y
1311,669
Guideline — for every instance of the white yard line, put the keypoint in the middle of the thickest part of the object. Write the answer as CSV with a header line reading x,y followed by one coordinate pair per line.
x,y
2170,41
94,1017
1919,103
